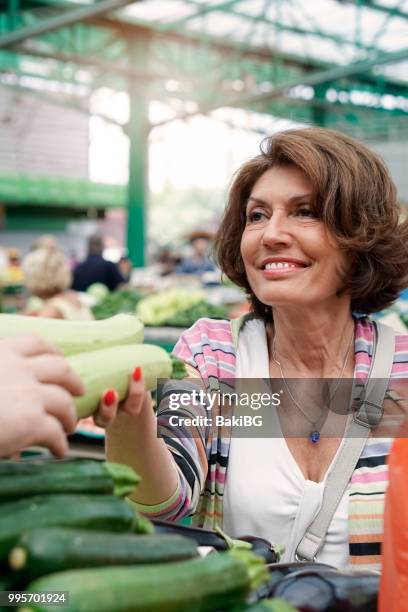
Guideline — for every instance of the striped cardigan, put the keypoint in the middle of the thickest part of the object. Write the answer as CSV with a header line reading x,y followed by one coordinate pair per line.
x,y
202,460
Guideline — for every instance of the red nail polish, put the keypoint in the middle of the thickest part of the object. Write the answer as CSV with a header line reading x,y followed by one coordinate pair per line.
x,y
109,397
137,373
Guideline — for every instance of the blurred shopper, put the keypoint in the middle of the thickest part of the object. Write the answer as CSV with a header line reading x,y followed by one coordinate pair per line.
x,y
168,261
48,277
96,269
14,274
46,241
125,267
198,262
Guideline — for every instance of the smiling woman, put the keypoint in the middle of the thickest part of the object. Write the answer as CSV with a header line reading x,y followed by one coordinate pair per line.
x,y
348,193
288,253
312,231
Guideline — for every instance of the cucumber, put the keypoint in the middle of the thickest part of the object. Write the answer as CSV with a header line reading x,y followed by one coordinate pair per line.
x,y
45,551
76,336
111,368
216,582
90,511
25,478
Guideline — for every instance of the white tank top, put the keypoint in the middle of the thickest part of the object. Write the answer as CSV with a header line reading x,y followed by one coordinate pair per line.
x,y
266,494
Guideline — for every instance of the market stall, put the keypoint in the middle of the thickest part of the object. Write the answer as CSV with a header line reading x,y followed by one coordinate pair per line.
x,y
67,531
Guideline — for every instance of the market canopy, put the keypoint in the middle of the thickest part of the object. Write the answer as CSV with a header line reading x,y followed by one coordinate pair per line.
x,y
339,63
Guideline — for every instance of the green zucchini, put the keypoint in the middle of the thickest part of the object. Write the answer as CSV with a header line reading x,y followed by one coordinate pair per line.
x,y
90,511
215,582
111,368
73,337
45,551
25,478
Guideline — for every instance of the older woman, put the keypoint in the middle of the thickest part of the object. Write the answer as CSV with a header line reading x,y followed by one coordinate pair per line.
x,y
312,232
48,277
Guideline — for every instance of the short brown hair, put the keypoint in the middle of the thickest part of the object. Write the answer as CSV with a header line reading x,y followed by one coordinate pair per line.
x,y
355,197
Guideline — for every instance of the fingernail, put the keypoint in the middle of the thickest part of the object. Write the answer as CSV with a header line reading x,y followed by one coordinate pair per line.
x,y
137,373
109,397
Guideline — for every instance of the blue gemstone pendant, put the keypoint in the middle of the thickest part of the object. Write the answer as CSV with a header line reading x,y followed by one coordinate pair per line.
x,y
314,436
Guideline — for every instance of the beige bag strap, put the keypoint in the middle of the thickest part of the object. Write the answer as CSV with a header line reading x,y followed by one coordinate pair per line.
x,y
367,417
237,325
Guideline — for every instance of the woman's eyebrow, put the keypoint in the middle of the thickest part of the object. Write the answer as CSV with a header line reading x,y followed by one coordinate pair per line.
x,y
296,198
258,200
304,196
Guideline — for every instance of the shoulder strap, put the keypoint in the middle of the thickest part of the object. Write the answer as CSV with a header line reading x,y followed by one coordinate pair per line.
x,y
237,325
367,417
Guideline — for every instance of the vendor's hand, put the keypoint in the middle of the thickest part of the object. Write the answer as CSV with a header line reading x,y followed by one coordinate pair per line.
x,y
36,389
138,400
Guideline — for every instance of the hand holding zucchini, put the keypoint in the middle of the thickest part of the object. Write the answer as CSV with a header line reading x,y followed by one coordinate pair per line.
x,y
111,368
102,353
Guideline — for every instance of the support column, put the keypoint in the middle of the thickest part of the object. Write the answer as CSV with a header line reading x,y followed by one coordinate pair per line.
x,y
138,154
319,113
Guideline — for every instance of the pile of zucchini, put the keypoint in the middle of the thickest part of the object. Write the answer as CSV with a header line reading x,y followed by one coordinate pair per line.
x,y
64,527
103,353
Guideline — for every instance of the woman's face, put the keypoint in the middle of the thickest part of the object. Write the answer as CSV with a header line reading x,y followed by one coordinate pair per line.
x,y
290,257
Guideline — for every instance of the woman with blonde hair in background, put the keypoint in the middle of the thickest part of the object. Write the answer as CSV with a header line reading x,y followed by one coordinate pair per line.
x,y
48,277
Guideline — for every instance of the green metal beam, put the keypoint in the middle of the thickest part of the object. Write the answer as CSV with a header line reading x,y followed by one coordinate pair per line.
x,y
312,79
376,6
59,192
138,156
61,21
276,24
231,48
383,28
202,10
79,60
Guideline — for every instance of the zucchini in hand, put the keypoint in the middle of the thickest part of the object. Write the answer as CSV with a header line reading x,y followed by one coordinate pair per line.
x,y
111,368
74,337
217,582
25,478
90,511
45,551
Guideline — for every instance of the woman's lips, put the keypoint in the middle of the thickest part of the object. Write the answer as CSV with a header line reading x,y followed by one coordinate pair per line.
x,y
278,272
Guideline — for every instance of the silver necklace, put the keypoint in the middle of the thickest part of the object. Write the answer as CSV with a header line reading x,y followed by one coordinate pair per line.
x,y
314,435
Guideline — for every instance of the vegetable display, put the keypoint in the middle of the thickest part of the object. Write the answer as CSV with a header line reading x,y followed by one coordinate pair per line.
x,y
24,479
91,511
94,546
177,308
120,301
158,308
216,582
187,316
48,550
97,549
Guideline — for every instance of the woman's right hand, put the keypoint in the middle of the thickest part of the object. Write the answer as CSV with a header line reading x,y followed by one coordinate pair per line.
x,y
138,400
